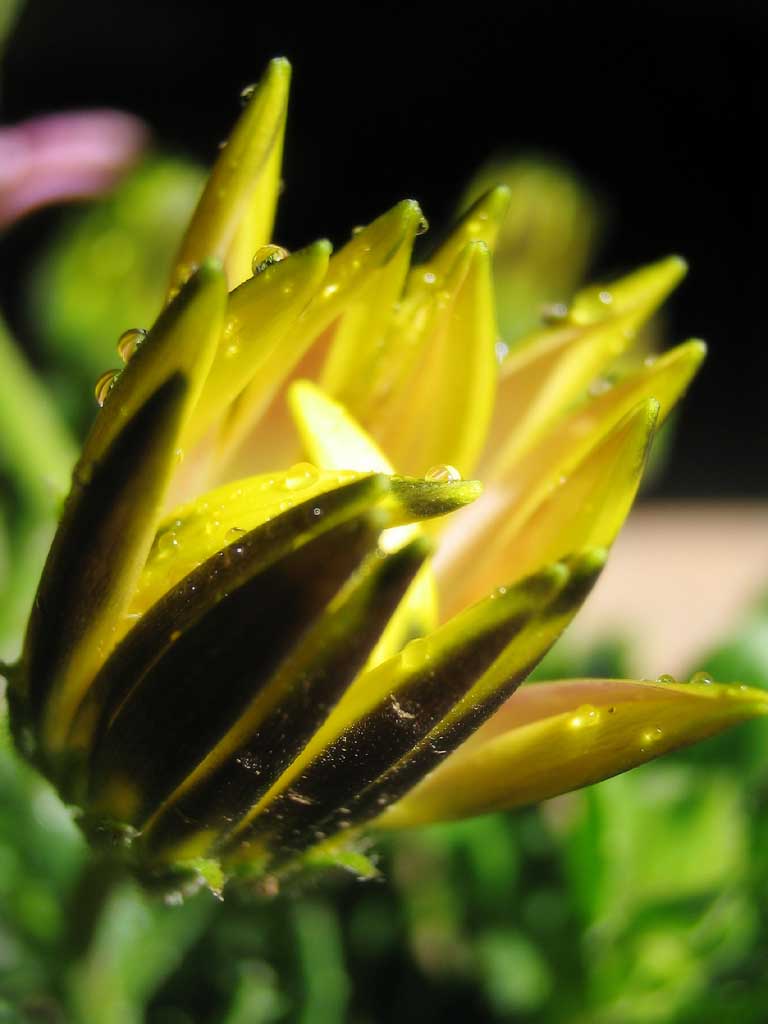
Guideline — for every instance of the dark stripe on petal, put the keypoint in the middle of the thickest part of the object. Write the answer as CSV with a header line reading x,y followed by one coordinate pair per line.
x,y
211,672
102,519
383,736
210,583
307,687
444,739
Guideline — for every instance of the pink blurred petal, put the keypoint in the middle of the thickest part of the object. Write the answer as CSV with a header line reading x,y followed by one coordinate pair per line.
x,y
58,157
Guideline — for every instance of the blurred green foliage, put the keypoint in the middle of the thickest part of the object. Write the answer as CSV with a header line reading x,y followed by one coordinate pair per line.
x,y
106,269
639,901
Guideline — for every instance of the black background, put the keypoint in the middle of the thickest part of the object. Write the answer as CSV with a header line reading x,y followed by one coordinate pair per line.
x,y
661,106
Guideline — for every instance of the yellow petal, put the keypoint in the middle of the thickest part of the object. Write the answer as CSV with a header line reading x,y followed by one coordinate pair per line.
x,y
330,435
635,295
183,340
554,737
258,219
440,408
546,241
553,368
481,223
198,529
259,314
361,263
118,487
333,439
527,481
359,343
584,508
243,175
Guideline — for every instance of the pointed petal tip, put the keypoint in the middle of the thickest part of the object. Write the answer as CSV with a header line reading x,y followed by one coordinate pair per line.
x,y
280,65
551,738
695,349
277,76
426,499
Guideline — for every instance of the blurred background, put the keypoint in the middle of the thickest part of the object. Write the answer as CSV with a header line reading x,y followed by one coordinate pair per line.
x,y
628,133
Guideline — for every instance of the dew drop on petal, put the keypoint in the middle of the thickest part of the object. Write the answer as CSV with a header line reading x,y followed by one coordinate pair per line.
x,y
299,476
605,297
415,654
129,341
665,678
650,736
357,229
702,679
554,313
599,386
234,533
104,385
266,255
585,717
167,543
423,226
442,474
247,93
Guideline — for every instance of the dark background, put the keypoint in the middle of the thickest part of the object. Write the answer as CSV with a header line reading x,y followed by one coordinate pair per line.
x,y
659,105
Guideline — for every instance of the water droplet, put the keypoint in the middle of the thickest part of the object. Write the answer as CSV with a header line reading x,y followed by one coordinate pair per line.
x,y
357,229
501,348
702,679
167,543
423,226
600,386
665,678
247,93
129,341
587,715
299,476
415,654
266,255
442,474
554,313
605,297
649,737
104,385
234,533
650,360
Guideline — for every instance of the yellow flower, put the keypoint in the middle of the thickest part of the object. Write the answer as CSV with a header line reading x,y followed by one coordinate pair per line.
x,y
234,676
